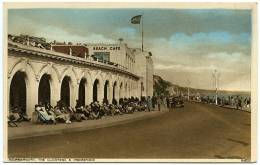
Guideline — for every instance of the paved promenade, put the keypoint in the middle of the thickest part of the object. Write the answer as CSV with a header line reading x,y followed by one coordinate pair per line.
x,y
28,129
197,131
246,109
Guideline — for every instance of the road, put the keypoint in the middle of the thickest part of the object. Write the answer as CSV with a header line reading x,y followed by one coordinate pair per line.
x,y
195,131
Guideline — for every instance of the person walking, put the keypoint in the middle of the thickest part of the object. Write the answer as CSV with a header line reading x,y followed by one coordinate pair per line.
x,y
149,103
240,103
168,102
237,102
154,101
159,102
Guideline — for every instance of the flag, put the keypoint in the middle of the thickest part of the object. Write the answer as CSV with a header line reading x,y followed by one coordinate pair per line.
x,y
136,19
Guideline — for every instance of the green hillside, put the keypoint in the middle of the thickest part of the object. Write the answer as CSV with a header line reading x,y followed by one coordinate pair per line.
x,y
163,87
160,86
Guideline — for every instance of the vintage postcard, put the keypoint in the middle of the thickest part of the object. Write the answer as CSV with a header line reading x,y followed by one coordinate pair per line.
x,y
130,82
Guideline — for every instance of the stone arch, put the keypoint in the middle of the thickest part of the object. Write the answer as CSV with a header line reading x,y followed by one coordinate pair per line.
x,y
30,82
44,89
50,70
115,87
109,77
21,65
114,77
107,90
57,72
55,81
72,85
10,71
44,69
121,87
115,90
85,74
82,92
96,89
95,74
66,90
18,91
99,77
70,73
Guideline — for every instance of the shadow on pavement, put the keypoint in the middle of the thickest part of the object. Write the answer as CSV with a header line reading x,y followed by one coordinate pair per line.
x,y
227,157
238,141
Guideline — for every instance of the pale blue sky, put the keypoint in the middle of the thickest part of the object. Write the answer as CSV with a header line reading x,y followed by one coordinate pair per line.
x,y
186,44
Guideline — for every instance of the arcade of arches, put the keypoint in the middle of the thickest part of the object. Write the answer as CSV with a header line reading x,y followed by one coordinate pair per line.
x,y
66,90
36,75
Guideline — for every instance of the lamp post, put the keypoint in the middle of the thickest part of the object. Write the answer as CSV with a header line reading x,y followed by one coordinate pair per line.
x,y
188,84
216,76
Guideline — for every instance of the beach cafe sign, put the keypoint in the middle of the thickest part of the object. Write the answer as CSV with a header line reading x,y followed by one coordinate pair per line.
x,y
106,48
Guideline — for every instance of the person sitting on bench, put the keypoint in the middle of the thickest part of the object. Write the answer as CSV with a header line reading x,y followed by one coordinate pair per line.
x,y
43,114
18,115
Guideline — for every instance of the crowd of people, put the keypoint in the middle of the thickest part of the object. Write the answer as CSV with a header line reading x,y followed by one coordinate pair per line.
x,y
237,102
46,113
61,113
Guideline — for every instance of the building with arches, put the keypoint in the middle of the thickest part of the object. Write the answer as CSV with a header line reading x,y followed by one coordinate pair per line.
x,y
44,72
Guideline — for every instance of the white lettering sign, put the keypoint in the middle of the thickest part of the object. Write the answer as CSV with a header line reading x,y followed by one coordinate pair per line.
x,y
106,48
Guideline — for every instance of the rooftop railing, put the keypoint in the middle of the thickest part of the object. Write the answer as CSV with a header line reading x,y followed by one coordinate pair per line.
x,y
58,55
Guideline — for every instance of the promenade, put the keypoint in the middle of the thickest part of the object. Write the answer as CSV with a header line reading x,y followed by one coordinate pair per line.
x,y
197,131
29,129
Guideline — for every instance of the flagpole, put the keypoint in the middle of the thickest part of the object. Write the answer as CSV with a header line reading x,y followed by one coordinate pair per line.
x,y
138,19
142,33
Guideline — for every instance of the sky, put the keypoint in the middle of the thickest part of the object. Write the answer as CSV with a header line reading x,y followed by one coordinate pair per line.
x,y
187,44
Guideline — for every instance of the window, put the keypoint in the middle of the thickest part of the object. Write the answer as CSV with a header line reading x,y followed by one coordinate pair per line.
x,y
103,56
